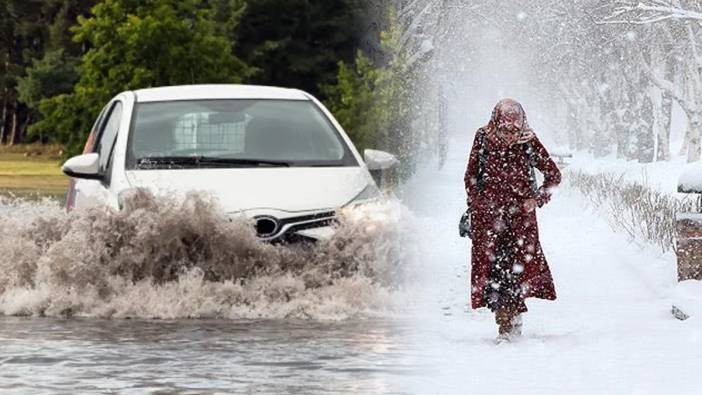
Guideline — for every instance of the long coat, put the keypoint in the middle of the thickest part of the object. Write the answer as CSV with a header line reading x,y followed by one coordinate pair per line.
x,y
497,205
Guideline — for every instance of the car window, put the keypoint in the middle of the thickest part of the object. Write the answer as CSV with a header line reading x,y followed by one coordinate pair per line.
x,y
108,136
294,132
90,143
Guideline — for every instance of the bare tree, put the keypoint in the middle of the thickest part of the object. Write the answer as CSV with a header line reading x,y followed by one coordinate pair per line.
x,y
613,69
660,66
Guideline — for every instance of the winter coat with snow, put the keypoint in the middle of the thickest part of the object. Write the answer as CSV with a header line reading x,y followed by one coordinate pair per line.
x,y
496,200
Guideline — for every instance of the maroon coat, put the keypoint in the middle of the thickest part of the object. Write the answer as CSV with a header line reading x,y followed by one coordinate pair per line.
x,y
499,207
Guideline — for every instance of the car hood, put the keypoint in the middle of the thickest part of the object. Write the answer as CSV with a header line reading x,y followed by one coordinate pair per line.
x,y
285,189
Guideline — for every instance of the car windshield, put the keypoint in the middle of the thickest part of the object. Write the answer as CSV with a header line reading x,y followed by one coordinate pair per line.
x,y
234,133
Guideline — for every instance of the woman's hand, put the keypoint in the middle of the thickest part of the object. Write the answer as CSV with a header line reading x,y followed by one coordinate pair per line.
x,y
526,136
530,205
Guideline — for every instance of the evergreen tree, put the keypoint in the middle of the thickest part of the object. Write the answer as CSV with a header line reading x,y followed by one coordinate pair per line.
x,y
22,39
8,70
38,58
298,43
55,72
373,103
132,45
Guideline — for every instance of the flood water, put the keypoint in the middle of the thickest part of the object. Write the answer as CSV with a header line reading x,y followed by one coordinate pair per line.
x,y
48,355
170,296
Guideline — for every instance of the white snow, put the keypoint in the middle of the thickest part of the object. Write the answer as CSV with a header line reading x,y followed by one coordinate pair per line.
x,y
687,296
610,330
662,176
691,178
697,217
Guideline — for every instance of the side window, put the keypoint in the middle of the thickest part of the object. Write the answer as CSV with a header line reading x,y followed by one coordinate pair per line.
x,y
90,143
108,136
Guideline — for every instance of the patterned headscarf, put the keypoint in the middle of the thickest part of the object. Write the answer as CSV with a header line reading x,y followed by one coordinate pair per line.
x,y
508,111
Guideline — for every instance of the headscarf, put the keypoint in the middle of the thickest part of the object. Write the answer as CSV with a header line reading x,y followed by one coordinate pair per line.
x,y
508,111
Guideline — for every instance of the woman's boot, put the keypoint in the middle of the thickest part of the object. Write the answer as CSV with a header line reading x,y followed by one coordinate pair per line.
x,y
503,318
516,330
509,324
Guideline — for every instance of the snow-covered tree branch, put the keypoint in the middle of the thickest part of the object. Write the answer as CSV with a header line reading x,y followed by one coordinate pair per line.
x,y
650,11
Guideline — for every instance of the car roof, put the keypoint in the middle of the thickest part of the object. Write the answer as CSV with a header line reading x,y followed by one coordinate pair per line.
x,y
217,91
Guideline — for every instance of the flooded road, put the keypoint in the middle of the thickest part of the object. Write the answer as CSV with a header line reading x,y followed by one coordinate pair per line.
x,y
47,355
171,296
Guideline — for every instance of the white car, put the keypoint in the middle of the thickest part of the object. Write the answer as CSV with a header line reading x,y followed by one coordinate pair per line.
x,y
274,155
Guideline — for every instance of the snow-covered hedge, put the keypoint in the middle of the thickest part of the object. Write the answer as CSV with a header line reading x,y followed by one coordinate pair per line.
x,y
644,213
690,180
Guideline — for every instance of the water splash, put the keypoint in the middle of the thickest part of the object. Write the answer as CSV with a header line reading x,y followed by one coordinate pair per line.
x,y
171,257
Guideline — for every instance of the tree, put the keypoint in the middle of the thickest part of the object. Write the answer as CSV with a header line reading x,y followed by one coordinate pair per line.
x,y
8,70
373,101
132,45
355,100
659,69
54,74
298,43
34,34
642,12
22,33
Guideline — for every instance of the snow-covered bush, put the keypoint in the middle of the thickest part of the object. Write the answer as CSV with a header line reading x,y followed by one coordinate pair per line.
x,y
645,214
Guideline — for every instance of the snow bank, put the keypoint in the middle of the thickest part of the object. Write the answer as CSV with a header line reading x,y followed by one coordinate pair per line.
x,y
687,297
690,180
661,176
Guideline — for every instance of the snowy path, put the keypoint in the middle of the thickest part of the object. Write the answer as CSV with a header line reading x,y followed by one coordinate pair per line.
x,y
610,331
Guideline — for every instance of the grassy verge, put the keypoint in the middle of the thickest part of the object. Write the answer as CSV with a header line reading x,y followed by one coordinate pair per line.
x,y
31,170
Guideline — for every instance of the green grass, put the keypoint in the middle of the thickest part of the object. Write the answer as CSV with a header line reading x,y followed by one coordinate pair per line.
x,y
31,170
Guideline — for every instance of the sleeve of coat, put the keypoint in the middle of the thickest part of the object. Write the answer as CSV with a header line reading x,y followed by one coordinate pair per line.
x,y
546,165
470,179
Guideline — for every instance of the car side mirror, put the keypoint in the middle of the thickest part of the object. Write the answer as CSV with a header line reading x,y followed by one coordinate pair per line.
x,y
379,160
83,166
380,164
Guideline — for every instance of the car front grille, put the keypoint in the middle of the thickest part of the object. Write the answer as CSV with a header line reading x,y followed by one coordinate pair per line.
x,y
287,227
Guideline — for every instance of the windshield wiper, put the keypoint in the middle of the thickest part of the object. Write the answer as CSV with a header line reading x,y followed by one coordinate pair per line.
x,y
243,161
182,161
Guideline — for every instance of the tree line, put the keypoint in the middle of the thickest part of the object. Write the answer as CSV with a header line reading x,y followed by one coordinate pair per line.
x,y
611,69
62,60
619,66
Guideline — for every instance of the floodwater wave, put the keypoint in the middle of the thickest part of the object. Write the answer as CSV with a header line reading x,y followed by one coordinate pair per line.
x,y
183,257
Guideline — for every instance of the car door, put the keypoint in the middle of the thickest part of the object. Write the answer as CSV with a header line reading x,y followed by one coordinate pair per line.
x,y
97,192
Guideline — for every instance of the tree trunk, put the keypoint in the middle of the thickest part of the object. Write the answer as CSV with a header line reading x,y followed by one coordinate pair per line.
x,y
25,125
664,124
3,121
14,130
645,138
686,138
695,126
20,119
443,127
666,112
573,129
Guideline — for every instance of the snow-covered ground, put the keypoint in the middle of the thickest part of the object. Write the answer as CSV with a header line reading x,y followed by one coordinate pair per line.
x,y
610,330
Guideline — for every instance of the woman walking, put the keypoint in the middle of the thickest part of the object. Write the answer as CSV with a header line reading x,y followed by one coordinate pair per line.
x,y
507,262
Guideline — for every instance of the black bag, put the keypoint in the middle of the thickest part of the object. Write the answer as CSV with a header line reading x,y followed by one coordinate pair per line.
x,y
464,225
